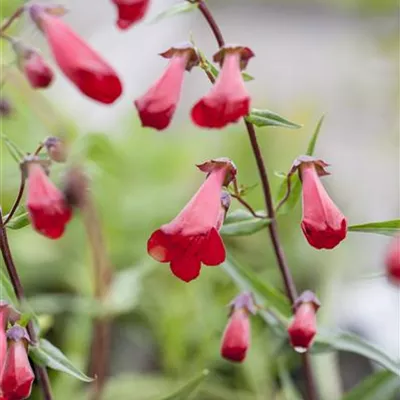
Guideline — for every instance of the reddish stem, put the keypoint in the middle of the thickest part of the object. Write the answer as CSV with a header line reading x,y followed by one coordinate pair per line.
x,y
272,227
17,200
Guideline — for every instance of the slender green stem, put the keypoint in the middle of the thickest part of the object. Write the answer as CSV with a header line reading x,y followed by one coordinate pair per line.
x,y
269,205
40,372
17,200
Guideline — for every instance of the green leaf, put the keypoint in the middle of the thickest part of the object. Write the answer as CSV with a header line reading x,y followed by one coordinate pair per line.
x,y
6,289
345,341
380,385
186,392
295,191
388,228
18,222
176,9
16,153
248,281
262,118
242,223
47,355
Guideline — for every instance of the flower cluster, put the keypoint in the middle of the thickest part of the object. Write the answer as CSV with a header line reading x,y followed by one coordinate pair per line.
x,y
16,375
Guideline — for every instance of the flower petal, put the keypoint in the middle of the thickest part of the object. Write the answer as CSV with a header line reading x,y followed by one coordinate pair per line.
x,y
186,268
159,246
213,251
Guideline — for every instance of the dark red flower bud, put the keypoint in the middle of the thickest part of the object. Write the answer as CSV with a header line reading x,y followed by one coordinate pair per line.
x,y
56,149
46,205
323,224
37,71
236,337
17,379
4,312
303,328
32,64
393,261
228,99
192,238
130,11
93,76
157,106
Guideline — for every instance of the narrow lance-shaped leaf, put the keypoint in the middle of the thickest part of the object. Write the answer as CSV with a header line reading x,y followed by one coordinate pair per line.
x,y
16,153
243,223
47,355
295,190
262,118
380,385
18,222
186,392
247,280
345,341
179,8
388,228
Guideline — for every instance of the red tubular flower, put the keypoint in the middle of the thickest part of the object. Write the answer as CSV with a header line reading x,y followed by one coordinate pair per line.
x,y
192,237
46,205
393,261
236,337
130,11
81,64
157,106
304,325
37,71
323,224
228,99
17,379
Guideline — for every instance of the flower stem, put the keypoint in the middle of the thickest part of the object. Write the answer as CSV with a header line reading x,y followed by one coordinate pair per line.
x,y
273,226
17,13
17,200
40,372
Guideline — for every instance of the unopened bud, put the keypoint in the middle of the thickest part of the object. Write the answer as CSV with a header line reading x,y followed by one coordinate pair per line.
x,y
56,149
6,108
76,185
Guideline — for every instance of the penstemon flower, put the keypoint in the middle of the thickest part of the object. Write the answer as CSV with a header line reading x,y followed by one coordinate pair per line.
x,y
192,238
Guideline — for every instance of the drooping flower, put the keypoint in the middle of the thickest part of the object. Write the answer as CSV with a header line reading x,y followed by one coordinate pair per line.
x,y
236,338
303,327
83,66
228,99
130,11
323,224
192,238
393,261
157,106
46,205
17,379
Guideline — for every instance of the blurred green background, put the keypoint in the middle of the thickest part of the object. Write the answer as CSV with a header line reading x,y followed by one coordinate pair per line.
x,y
170,331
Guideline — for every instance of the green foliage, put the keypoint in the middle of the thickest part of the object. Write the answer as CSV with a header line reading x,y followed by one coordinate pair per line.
x,y
387,228
262,118
381,385
242,223
345,341
176,9
19,221
45,354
